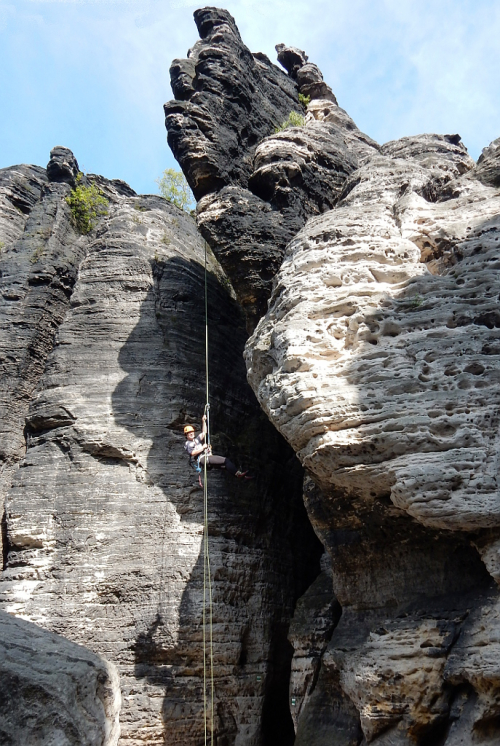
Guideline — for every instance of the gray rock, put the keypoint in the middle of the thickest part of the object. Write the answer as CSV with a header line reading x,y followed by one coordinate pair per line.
x,y
227,101
222,129
249,236
301,171
62,166
104,517
488,165
315,618
308,75
292,59
398,510
53,691
38,267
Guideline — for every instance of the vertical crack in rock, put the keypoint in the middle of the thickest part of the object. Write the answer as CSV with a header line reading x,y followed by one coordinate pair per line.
x,y
315,617
4,539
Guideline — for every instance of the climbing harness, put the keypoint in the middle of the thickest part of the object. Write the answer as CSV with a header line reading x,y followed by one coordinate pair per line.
x,y
194,463
207,581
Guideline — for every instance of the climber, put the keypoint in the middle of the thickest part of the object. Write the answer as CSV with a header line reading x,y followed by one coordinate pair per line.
x,y
198,450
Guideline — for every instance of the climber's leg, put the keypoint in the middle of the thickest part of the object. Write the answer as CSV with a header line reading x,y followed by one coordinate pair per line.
x,y
219,462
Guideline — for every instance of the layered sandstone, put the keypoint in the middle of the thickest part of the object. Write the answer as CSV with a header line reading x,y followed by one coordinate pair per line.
x,y
377,360
256,186
104,517
374,273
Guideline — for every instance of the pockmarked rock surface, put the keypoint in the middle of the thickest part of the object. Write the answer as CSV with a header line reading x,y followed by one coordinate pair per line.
x,y
53,691
377,359
256,185
369,276
103,515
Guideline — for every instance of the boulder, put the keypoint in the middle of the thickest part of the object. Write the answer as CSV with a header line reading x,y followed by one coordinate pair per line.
x,y
53,691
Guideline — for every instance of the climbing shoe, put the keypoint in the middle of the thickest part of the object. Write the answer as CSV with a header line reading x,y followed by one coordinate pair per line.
x,y
243,475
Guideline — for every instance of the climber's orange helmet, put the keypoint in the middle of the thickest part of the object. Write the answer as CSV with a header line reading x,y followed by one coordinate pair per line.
x,y
188,429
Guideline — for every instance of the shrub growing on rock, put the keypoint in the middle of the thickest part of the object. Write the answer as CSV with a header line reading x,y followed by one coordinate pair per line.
x,y
294,119
87,205
304,100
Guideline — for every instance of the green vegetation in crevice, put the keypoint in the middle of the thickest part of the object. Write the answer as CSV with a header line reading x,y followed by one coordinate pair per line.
x,y
87,204
37,254
294,119
304,100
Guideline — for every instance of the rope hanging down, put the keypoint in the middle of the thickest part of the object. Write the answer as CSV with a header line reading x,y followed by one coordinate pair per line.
x,y
207,581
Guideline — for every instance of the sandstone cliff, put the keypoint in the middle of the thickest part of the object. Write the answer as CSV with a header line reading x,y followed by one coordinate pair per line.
x,y
53,691
377,359
103,354
367,276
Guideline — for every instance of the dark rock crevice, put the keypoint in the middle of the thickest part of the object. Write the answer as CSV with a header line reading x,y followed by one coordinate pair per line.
x,y
5,540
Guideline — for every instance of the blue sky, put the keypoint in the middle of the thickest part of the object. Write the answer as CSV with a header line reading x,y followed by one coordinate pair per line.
x,y
93,74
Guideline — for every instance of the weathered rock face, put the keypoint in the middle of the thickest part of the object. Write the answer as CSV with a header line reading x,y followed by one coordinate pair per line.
x,y
53,691
377,360
227,100
256,187
104,517
315,618
39,258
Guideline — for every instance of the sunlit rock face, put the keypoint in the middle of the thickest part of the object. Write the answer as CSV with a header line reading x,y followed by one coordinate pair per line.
x,y
378,361
379,343
103,515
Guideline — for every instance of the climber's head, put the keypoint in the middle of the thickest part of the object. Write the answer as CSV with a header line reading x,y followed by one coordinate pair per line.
x,y
189,432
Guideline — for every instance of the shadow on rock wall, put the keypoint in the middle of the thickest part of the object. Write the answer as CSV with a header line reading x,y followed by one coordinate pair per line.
x,y
263,551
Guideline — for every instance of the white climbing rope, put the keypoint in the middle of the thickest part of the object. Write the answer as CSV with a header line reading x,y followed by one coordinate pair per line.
x,y
208,716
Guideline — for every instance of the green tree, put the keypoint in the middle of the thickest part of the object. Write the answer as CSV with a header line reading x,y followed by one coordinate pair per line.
x,y
174,187
87,205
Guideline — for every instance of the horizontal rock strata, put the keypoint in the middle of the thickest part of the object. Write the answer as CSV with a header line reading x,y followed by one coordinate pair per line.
x,y
104,516
377,361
